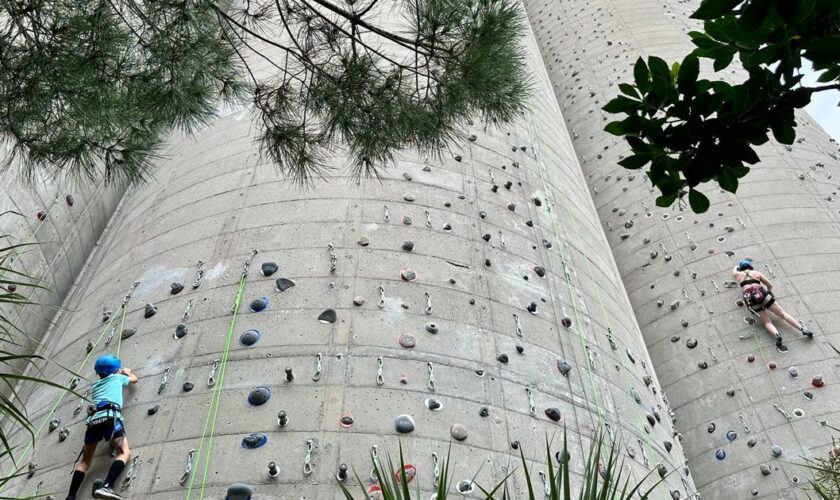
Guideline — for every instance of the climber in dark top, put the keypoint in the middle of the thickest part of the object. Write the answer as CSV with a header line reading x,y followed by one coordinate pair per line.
x,y
758,297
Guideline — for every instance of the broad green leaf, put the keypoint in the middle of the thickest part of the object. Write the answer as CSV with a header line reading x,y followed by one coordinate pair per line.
x,y
698,201
633,162
628,90
622,104
728,180
641,75
710,9
689,71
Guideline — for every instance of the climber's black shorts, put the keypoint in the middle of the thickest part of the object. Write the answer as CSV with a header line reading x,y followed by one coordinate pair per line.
x,y
106,431
769,302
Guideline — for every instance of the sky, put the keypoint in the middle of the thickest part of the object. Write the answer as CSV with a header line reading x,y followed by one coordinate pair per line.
x,y
824,106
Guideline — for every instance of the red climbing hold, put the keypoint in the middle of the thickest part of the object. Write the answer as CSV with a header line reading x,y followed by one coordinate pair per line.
x,y
818,381
410,472
771,365
12,288
750,358
41,215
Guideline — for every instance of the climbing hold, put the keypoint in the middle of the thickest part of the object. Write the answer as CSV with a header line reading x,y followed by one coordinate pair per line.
x,y
42,216
793,372
328,316
363,241
54,423
650,418
750,358
564,367
772,365
675,304
154,409
255,440
407,341
711,428
532,308
691,342
731,435
273,471
408,275
519,348
346,421
511,205
668,445
730,392
290,376
175,288
180,331
465,487
458,158
702,365
258,305
250,337
342,472
283,284
553,414
818,381
404,424
484,411
70,200
503,358
188,386
660,303
808,395
408,245
282,418
752,442
647,380
62,434
268,268
776,450
149,311
675,495
259,395
458,431
433,404
684,323
540,271
406,220
486,237
358,300
720,454
765,469
432,328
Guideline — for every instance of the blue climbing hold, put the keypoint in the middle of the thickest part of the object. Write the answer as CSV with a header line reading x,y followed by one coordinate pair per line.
x,y
720,454
731,435
255,440
259,395
258,304
250,337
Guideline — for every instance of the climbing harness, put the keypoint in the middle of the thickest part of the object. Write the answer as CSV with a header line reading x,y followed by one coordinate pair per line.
x,y
380,379
317,375
307,460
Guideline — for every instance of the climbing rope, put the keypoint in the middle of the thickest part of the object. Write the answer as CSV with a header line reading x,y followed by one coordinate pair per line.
x,y
215,400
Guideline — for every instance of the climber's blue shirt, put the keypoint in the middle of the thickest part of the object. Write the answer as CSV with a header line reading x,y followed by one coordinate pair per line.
x,y
109,389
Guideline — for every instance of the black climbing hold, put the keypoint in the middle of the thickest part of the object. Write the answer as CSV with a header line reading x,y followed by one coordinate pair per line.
x,y
662,470
691,342
342,472
532,308
346,421
70,200
702,365
282,418
484,411
711,428
432,328
511,206
508,185
128,332
668,446
54,423
149,311
447,227
540,271
408,245
482,214
503,358
458,158
566,322
529,223
553,413
283,284
808,395
250,337
328,316
180,331
255,440
651,420
154,409
259,395
487,262
433,404
404,424
520,349
239,491
564,367
268,268
752,442
472,301
408,275
514,445
259,304
175,287
730,392
720,454
289,374
273,471
537,202
546,243
188,386
485,237
495,188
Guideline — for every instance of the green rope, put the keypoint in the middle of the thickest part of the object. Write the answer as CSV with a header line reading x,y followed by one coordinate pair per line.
x,y
213,411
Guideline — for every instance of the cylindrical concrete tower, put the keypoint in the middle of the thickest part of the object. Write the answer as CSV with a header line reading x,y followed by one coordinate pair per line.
x,y
736,415
476,294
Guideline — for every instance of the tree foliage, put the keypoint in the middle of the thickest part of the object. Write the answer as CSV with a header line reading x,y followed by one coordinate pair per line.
x,y
90,86
690,130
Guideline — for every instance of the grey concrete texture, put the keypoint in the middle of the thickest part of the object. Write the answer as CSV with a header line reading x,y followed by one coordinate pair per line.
x,y
214,201
785,215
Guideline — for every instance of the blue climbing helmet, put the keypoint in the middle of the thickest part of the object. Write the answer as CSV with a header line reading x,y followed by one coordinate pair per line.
x,y
107,364
745,264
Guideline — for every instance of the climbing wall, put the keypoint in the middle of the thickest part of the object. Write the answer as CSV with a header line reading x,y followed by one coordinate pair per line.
x,y
57,222
468,301
746,413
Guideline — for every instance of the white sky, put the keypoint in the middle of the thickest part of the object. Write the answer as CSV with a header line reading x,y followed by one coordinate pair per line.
x,y
824,106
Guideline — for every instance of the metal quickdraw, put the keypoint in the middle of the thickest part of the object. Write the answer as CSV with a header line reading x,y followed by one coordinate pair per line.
x,y
380,378
741,222
211,380
317,375
188,468
333,258
164,381
130,291
744,423
428,303
130,472
717,288
431,382
81,404
492,177
374,456
770,270
712,353
685,295
436,463
780,410
644,453
531,406
187,310
111,335
546,485
307,460
502,240
199,275
428,219
387,214
518,325
381,297
247,264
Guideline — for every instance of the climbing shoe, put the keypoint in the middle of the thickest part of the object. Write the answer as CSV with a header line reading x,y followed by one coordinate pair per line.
x,y
105,492
805,331
779,345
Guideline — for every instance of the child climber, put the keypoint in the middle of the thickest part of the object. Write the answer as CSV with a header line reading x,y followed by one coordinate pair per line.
x,y
105,423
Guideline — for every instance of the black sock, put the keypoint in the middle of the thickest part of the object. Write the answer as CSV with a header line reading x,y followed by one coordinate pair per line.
x,y
76,482
116,468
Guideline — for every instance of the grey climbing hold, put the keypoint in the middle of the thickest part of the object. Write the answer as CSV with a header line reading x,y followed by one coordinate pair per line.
x,y
239,491
465,487
406,220
731,435
427,169
409,197
408,245
564,367
472,138
175,288
259,395
407,176
62,434
752,442
404,424
358,300
128,332
691,342
408,275
765,469
684,323
662,470
181,330
647,380
150,311
540,271
668,445
675,495
511,206
433,404
808,395
250,337
711,428
268,268
484,412
660,303
283,284
258,305
458,432
793,372
553,414
776,450
407,341
328,316
432,328
255,440
730,392
54,423
188,386
675,304
363,241
702,365
503,358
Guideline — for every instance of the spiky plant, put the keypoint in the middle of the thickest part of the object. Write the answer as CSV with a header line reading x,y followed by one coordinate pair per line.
x,y
826,473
